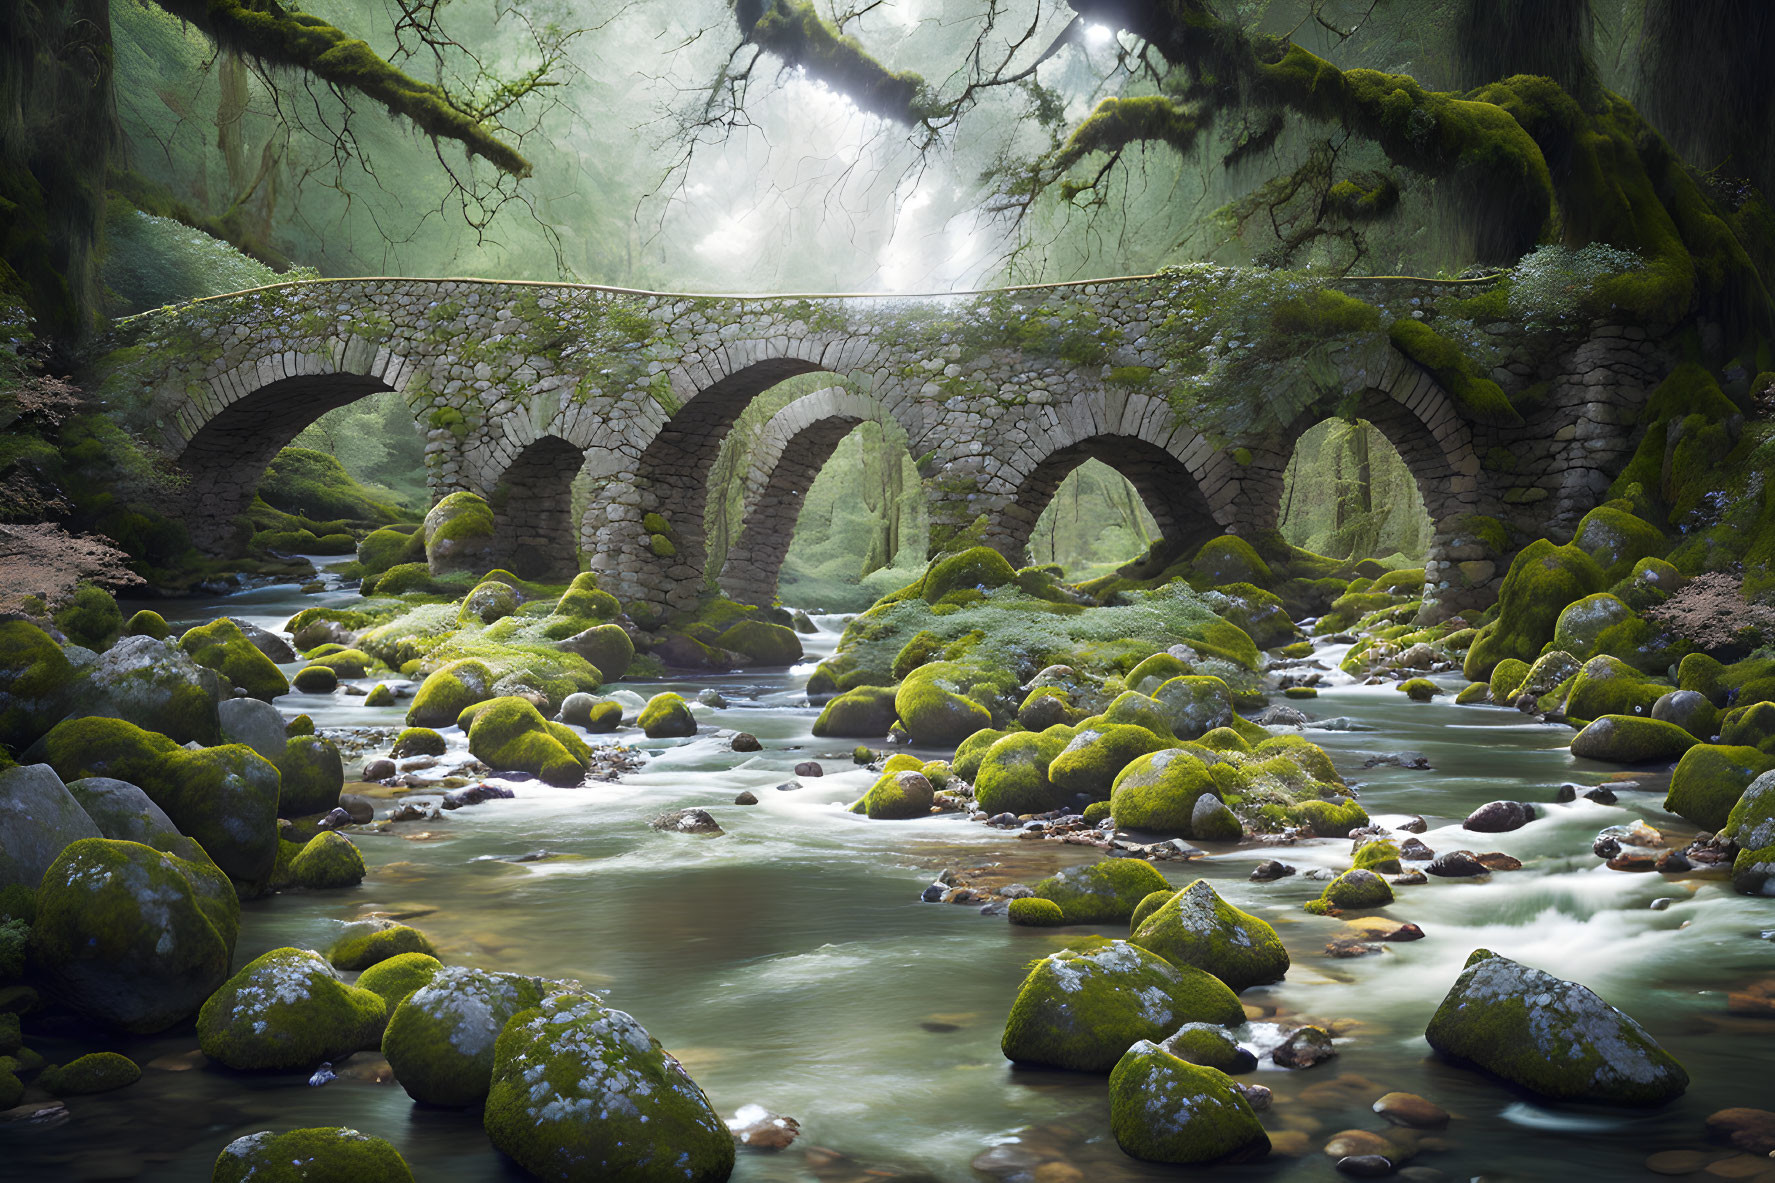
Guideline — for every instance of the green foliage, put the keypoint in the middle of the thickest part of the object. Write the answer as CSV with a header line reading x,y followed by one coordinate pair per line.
x,y
1322,313
314,485
90,617
1476,396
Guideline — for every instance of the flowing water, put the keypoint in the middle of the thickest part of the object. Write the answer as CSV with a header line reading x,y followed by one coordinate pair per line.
x,y
791,964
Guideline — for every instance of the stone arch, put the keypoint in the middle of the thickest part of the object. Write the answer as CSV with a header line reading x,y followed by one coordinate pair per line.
x,y
224,436
794,447
1184,482
532,504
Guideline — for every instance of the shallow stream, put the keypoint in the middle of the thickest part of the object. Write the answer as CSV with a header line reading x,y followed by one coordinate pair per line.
x,y
790,963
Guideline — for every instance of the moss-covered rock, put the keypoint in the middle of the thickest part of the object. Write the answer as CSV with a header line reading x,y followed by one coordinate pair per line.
x,y
666,715
221,646
448,691
1164,1109
930,709
1103,892
576,1083
864,713
1473,693
388,547
346,663
1155,671
147,623
607,647
224,797
312,775
158,687
489,601
1704,675
1088,766
1330,817
1709,780
510,735
1229,559
1617,540
1196,927
1609,686
370,942
1627,739
38,818
1552,1037
418,741
1081,1009
1583,623
897,794
90,617
1194,705
1158,792
95,1072
37,684
1380,855
1209,1046
308,1156
1753,871
1212,820
1752,726
316,679
1420,689
1035,912
1690,710
1542,580
440,1040
1751,823
287,1009
762,642
131,937
1356,890
1506,676
329,859
121,810
980,567
394,979
459,534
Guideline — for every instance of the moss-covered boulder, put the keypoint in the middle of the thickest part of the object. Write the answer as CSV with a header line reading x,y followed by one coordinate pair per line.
x,y
37,684
1035,912
315,679
1158,792
147,623
1506,676
1164,1109
932,712
1628,739
312,776
1213,820
1750,726
440,1040
448,691
576,1083
221,646
370,942
1690,710
121,810
1753,871
459,535
762,643
224,797
667,716
1103,892
1751,823
979,568
346,663
606,647
1088,766
1606,685
1542,580
95,1072
1583,624
131,937
1081,1009
157,686
1195,705
1552,1037
287,1009
388,547
1209,1046
1356,890
395,979
1196,927
327,860
510,735
1155,671
90,617
490,600
1229,559
1617,539
864,713
1709,780
1332,817
38,818
310,1156
905,793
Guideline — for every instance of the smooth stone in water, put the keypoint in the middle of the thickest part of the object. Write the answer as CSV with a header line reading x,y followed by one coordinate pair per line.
x,y
1499,817
687,821
809,768
745,741
1304,1048
1457,864
1409,1109
1751,1130
745,798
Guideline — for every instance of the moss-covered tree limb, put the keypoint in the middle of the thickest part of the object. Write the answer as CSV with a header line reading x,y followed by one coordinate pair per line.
x,y
265,30
793,31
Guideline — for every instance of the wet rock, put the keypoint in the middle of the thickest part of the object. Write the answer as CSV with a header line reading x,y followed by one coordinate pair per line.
x,y
1601,796
1365,1166
1457,864
1256,1095
1304,1048
361,810
335,819
1750,1130
1413,760
756,1128
1197,927
745,798
381,768
745,741
710,697
1409,1109
475,794
1672,862
1405,932
1606,846
1565,794
1414,825
1162,1109
415,809
1497,860
809,768
1414,850
1281,716
687,821
255,723
1408,879
440,1039
1270,870
1499,817
788,786
288,1010
337,1153
1552,1037
1209,1046
1347,947
1362,1143
1677,1162
1634,860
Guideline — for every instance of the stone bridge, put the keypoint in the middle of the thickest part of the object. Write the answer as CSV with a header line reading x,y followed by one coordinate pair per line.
x,y
1178,380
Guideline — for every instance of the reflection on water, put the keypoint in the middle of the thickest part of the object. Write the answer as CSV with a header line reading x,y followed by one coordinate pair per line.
x,y
790,964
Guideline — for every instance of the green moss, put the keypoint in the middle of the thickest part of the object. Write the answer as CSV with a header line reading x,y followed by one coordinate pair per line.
x,y
37,684
1012,776
1326,312
418,741
1229,559
1196,927
288,1010
1082,1009
1035,912
440,1040
931,710
510,734
1609,686
897,794
1542,580
390,546
1329,819
303,1156
1617,540
1419,689
448,690
924,646
1088,766
1380,855
370,943
1194,705
311,776
1357,889
96,1072
1104,892
1709,780
667,715
222,647
394,979
1164,1109
90,617
316,679
1751,726
147,623
763,643
970,753
977,567
1475,396
328,859
1626,739
1475,692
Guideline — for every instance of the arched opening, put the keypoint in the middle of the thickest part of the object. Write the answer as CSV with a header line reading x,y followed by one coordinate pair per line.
x,y
227,456
1180,516
1348,493
533,520
1095,523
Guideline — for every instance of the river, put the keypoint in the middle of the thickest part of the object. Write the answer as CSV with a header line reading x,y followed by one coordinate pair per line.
x,y
790,963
